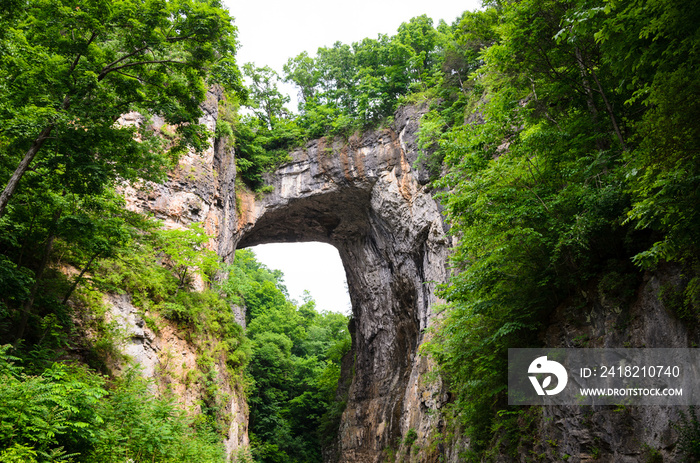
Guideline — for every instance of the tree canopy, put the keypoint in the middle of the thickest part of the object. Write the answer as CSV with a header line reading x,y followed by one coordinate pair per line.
x,y
70,69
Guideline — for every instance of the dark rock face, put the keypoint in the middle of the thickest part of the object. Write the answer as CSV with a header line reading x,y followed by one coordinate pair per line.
x,y
363,197
595,318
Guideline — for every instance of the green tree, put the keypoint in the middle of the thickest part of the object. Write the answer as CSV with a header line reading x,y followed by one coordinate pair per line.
x,y
423,41
536,188
72,68
294,366
652,48
264,97
187,251
301,70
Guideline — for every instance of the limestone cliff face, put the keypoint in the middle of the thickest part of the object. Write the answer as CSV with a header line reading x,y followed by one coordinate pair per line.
x,y
363,197
165,355
601,316
200,190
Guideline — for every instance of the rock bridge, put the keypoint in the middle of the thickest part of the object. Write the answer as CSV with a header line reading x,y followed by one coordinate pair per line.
x,y
362,196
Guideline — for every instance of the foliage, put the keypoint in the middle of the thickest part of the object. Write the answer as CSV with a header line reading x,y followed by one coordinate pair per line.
x,y
688,427
72,68
186,250
652,47
295,365
263,139
410,438
69,413
580,153
155,271
123,252
348,87
563,136
260,149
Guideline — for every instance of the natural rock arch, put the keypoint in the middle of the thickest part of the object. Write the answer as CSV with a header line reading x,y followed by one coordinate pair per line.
x,y
362,196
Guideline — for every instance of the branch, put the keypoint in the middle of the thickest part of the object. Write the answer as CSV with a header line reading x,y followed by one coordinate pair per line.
x,y
609,109
77,58
547,63
138,50
104,73
129,75
77,280
23,166
141,80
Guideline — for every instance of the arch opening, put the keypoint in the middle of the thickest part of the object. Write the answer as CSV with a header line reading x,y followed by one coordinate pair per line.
x,y
309,266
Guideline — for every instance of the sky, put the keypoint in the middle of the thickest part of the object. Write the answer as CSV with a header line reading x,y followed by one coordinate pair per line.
x,y
272,31
311,266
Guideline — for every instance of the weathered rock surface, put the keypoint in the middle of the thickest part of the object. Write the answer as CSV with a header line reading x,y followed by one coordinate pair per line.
x,y
200,189
363,197
171,361
600,317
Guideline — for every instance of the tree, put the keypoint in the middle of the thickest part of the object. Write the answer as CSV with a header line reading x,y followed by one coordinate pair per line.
x,y
534,190
187,252
653,50
302,71
71,68
263,139
422,39
295,365
265,99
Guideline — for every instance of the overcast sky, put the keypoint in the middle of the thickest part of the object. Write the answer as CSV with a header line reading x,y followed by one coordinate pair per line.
x,y
272,31
315,267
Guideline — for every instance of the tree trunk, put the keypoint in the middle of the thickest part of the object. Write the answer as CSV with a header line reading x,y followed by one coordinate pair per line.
x,y
609,109
77,280
22,167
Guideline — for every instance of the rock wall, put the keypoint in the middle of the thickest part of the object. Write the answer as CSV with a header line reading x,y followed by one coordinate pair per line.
x,y
166,356
363,196
200,189
629,312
